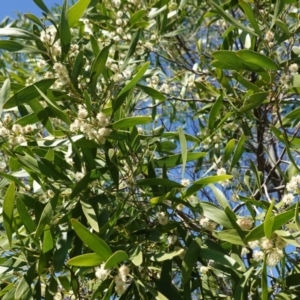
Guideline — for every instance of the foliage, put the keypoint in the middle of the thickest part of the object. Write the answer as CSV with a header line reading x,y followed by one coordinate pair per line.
x,y
149,150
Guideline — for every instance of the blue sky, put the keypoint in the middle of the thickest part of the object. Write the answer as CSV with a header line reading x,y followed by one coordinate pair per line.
x,y
10,7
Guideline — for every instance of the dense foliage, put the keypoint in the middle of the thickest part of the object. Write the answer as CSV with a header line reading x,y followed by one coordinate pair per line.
x,y
150,150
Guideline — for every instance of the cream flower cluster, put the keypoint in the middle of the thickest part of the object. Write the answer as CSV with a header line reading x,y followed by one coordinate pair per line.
x,y
15,133
162,218
121,280
220,172
246,223
102,273
271,248
294,184
207,223
93,128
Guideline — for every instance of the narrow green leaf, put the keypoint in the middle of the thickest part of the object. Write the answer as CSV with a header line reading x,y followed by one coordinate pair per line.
x,y
268,222
219,196
176,159
158,182
249,12
92,240
241,288
297,222
4,93
134,80
86,260
47,240
28,93
278,9
183,146
132,48
18,33
264,281
64,30
42,6
230,19
131,121
137,16
116,258
214,112
8,210
25,216
46,216
90,214
53,106
77,11
231,236
238,151
228,150
137,257
165,256
155,94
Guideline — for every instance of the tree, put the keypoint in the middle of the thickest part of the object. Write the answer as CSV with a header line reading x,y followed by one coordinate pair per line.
x,y
150,151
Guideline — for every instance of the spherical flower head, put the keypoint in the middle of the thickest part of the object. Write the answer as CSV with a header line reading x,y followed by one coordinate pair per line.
x,y
288,199
120,286
253,244
258,255
124,271
293,68
274,257
246,223
104,132
294,184
204,269
221,171
102,119
266,244
101,273
162,218
185,182
48,36
140,130
244,251
269,36
16,128
207,223
82,112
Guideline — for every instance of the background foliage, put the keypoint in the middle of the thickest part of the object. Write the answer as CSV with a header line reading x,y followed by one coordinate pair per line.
x,y
149,150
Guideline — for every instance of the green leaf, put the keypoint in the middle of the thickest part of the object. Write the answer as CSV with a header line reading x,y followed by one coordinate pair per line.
x,y
65,33
255,100
159,181
228,150
165,256
25,216
46,216
13,46
47,240
215,214
297,222
134,80
219,196
155,94
90,214
92,240
264,281
268,222
241,288
238,151
116,258
22,288
137,16
18,33
278,221
183,146
229,18
214,112
8,210
77,11
86,260
4,93
199,184
28,93
176,159
231,236
42,6
131,49
98,66
53,106
137,257
279,6
250,15
131,121
258,59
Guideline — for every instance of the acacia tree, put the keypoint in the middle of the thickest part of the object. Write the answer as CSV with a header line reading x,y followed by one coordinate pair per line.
x,y
150,151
